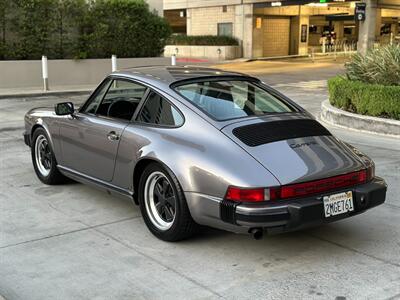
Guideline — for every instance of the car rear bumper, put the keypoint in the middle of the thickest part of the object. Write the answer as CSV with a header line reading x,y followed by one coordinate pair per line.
x,y
283,215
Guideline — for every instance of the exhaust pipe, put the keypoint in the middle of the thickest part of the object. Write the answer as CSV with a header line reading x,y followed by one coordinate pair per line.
x,y
257,233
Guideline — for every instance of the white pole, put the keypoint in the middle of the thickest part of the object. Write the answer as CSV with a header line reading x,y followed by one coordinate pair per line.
x,y
173,60
113,63
45,73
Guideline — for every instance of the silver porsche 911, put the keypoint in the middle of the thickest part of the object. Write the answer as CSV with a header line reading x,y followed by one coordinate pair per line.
x,y
197,146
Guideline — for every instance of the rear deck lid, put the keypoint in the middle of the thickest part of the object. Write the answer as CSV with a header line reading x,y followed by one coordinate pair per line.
x,y
294,149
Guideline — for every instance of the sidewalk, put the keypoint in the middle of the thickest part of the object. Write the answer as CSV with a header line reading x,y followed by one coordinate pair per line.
x,y
37,92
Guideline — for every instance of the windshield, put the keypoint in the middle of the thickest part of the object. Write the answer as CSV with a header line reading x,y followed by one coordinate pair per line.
x,y
225,100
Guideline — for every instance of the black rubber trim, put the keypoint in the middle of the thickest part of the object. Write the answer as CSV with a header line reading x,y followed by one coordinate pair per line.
x,y
263,218
267,132
228,211
27,139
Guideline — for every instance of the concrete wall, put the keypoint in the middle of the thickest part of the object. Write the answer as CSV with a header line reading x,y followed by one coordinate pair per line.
x,y
204,21
210,52
65,72
182,4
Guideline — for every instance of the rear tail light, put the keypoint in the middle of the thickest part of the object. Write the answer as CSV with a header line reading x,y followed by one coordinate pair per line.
x,y
239,194
251,195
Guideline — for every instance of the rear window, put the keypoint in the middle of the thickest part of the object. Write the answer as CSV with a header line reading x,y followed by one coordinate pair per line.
x,y
225,100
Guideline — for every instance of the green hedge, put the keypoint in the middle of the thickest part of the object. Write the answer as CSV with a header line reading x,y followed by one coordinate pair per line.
x,y
80,29
202,40
367,99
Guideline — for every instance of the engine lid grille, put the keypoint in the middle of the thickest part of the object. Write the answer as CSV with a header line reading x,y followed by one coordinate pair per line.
x,y
267,132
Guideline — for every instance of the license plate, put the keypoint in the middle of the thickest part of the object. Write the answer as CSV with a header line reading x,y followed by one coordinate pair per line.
x,y
337,204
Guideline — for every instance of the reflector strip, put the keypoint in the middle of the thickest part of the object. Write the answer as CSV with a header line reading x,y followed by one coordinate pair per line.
x,y
323,185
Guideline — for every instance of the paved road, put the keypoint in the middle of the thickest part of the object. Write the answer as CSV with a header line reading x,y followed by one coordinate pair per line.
x,y
74,242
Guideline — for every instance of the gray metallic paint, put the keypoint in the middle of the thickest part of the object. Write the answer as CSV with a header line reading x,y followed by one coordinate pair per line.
x,y
202,153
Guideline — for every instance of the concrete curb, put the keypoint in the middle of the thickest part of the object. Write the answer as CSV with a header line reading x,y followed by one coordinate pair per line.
x,y
351,121
42,93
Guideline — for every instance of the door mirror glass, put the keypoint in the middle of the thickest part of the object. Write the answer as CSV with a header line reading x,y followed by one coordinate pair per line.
x,y
64,108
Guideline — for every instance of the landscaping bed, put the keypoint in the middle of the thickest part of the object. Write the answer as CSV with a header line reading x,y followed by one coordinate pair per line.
x,y
363,98
371,85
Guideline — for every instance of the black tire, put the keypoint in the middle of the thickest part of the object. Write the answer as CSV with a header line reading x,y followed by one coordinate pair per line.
x,y
54,176
183,226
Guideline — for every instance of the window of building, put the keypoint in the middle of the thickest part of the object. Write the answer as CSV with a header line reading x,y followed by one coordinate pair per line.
x,y
225,29
224,8
159,111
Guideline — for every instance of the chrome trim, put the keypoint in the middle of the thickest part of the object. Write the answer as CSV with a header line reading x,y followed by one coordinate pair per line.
x,y
261,209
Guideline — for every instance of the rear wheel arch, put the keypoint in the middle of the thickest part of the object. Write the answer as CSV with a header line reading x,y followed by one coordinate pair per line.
x,y
138,171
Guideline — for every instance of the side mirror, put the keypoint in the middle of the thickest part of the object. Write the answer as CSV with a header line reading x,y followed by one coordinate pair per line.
x,y
64,108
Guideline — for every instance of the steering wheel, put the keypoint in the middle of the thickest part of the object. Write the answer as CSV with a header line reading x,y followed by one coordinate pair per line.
x,y
121,109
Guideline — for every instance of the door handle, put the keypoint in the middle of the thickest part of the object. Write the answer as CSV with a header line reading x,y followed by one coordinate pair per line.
x,y
112,136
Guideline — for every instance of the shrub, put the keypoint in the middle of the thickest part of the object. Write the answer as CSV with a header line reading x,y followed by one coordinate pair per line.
x,y
202,40
126,28
80,29
363,98
378,66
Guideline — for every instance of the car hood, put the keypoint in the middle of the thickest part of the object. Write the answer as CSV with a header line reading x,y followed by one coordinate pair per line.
x,y
294,148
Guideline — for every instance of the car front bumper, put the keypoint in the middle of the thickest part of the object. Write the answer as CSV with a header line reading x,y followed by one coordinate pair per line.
x,y
27,139
282,215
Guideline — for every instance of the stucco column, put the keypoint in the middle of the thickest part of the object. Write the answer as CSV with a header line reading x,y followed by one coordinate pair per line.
x,y
189,21
394,28
244,28
378,24
298,30
339,29
367,29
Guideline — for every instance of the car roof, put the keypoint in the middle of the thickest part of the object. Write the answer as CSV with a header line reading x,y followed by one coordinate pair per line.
x,y
168,75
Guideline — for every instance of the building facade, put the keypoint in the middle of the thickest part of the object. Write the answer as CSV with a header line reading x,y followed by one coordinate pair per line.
x,y
287,27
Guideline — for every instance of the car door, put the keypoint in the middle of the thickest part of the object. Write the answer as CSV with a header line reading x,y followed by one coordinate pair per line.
x,y
90,139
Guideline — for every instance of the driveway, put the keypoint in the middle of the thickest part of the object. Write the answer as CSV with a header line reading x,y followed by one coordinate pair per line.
x,y
74,242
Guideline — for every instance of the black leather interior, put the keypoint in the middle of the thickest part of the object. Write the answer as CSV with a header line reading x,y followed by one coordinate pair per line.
x,y
122,109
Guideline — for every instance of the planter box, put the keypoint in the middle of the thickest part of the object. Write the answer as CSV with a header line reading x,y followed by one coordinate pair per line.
x,y
210,52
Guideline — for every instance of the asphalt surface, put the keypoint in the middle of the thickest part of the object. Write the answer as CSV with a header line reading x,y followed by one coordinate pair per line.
x,y
74,242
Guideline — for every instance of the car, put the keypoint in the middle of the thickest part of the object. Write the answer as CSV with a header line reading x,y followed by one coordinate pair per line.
x,y
196,146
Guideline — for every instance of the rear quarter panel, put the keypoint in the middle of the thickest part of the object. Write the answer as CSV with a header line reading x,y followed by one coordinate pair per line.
x,y
202,157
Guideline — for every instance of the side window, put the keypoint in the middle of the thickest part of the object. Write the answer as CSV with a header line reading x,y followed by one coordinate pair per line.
x,y
121,99
159,111
93,103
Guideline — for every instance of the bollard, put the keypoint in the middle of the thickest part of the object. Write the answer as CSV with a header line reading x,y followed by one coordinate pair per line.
x,y
334,55
45,73
173,60
312,54
113,63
